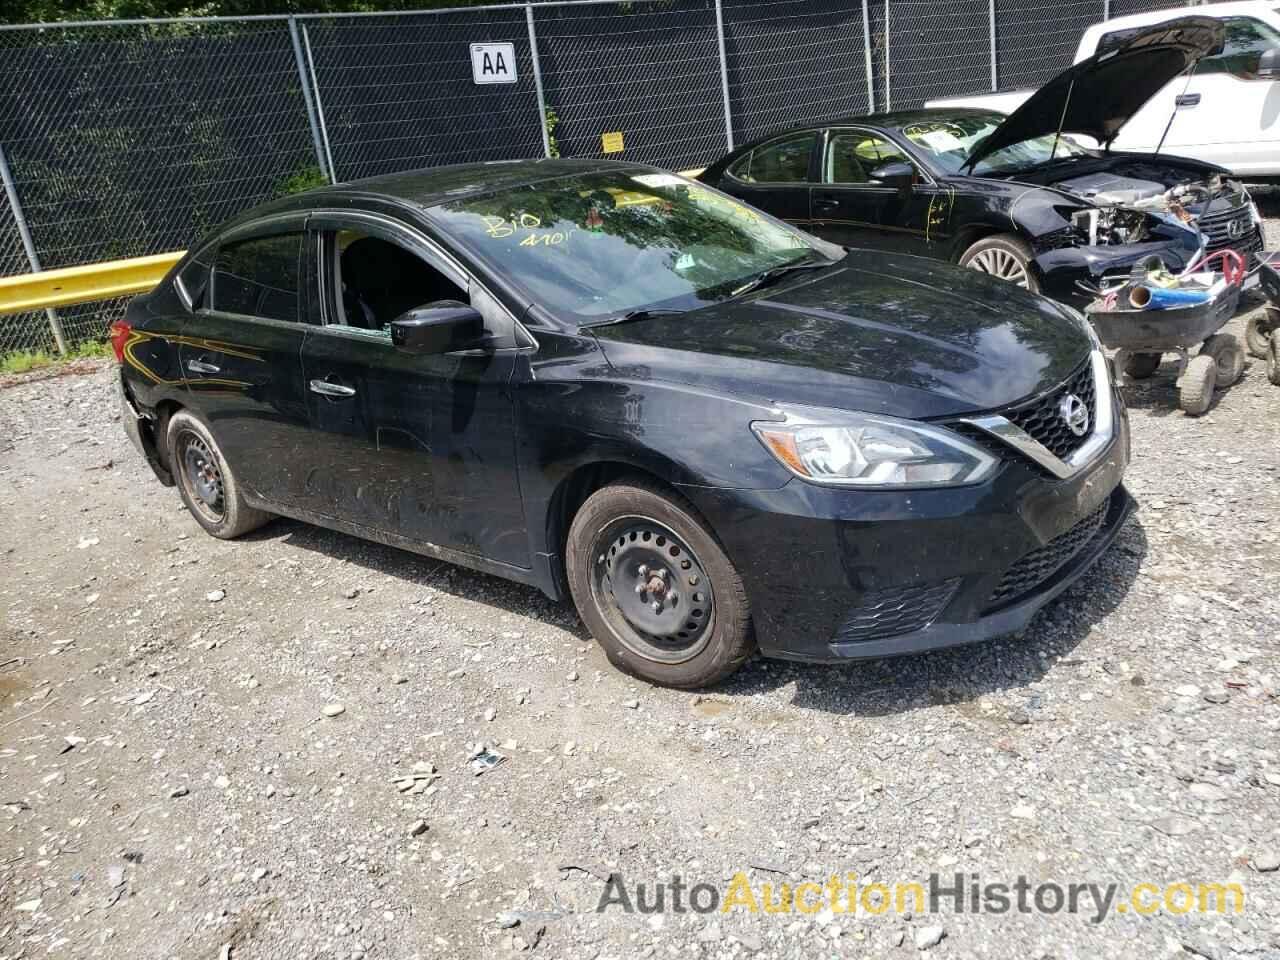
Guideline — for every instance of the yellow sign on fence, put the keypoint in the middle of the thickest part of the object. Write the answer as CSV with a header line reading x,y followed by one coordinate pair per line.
x,y
611,142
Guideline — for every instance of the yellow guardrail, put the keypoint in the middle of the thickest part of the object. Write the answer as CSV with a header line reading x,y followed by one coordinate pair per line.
x,y
84,284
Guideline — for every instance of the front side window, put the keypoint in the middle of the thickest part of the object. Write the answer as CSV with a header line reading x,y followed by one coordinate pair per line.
x,y
854,156
783,161
377,281
1247,38
259,277
607,243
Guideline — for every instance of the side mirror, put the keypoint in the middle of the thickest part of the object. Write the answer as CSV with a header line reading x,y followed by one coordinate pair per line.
x,y
1269,64
437,328
895,173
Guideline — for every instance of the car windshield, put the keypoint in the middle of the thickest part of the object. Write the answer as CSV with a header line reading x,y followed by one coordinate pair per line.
x,y
948,141
606,244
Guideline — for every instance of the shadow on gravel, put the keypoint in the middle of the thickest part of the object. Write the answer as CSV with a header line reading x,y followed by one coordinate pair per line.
x,y
884,687
504,595
868,688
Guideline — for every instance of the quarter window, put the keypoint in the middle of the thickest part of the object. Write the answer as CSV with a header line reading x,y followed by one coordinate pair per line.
x,y
259,277
853,156
783,161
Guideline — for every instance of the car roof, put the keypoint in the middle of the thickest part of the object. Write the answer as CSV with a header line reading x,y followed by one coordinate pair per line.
x,y
902,118
427,186
1216,10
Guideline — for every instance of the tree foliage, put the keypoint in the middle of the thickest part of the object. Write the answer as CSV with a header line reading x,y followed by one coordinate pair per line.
x,y
49,11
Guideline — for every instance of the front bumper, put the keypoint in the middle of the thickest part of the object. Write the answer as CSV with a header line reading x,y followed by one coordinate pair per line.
x,y
836,575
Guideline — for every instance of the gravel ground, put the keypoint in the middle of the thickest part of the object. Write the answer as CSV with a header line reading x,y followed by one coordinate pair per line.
x,y
261,748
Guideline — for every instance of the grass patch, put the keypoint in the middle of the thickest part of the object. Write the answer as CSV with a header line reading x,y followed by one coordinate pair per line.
x,y
24,361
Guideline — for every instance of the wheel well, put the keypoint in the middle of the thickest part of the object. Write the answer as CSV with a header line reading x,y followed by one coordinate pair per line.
x,y
160,426
967,236
569,497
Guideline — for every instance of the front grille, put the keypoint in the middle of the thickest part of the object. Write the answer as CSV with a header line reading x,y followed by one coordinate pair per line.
x,y
1040,564
895,610
1216,228
1042,419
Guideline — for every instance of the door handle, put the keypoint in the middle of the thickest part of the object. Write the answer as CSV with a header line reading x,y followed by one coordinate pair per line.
x,y
826,203
200,366
327,389
1186,100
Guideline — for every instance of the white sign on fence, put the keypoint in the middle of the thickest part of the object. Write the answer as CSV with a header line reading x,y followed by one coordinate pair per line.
x,y
493,62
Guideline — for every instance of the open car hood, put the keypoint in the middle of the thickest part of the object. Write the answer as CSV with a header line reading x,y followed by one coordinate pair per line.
x,y
1098,96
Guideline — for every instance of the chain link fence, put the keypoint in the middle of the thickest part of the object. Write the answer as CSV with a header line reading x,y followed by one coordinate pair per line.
x,y
130,138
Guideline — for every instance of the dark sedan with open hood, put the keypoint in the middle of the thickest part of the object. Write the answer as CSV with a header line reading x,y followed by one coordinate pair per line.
x,y
713,431
1015,197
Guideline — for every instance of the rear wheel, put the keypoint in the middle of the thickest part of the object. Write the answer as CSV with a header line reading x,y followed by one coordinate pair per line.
x,y
1257,332
1227,357
205,481
1196,390
1141,366
1005,256
655,588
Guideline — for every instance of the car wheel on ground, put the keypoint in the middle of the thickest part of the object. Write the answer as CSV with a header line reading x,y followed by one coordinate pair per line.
x,y
1227,356
655,588
1195,390
1141,366
1005,256
1257,332
206,482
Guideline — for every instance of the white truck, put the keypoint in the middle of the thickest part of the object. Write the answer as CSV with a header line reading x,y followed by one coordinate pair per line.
x,y
1226,112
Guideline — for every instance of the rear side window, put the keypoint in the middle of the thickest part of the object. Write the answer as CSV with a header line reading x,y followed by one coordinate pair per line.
x,y
783,161
259,277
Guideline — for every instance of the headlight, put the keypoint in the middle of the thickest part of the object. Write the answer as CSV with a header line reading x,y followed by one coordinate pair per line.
x,y
869,451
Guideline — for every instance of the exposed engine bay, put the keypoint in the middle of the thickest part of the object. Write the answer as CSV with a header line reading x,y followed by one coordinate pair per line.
x,y
1131,209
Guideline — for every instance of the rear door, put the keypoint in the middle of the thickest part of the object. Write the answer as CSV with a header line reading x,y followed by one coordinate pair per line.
x,y
418,447
1224,114
776,177
241,356
853,208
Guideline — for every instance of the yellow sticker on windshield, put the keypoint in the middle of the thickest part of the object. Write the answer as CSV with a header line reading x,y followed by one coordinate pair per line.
x,y
611,142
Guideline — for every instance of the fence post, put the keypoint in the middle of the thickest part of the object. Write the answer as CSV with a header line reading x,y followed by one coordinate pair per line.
x,y
888,33
724,77
306,96
315,87
537,80
866,47
28,245
1106,9
991,26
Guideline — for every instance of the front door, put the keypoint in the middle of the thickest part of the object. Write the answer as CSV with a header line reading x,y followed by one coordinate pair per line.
x,y
854,208
775,177
241,358
420,447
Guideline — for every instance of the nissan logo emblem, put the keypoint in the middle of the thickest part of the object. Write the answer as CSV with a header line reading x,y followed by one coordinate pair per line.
x,y
1074,414
1236,229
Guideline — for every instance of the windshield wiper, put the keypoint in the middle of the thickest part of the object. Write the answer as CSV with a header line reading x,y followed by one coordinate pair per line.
x,y
631,316
773,274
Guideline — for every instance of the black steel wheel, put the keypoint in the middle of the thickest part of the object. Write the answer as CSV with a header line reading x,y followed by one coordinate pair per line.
x,y
205,481
655,587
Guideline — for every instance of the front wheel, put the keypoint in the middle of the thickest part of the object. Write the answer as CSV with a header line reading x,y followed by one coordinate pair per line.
x,y
1195,390
205,481
1005,256
655,588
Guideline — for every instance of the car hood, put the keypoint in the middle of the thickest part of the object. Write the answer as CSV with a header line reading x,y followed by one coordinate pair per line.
x,y
1097,96
902,336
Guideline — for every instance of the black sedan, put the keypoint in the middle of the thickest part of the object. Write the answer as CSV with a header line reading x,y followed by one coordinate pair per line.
x,y
713,431
1011,196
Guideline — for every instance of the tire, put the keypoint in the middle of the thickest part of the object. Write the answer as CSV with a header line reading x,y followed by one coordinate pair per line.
x,y
634,525
1196,392
1257,332
1005,256
205,480
1140,366
1273,359
1227,356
